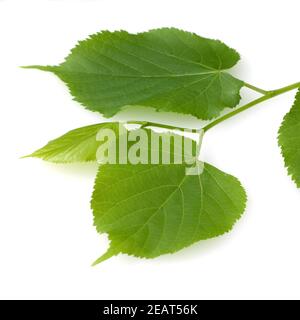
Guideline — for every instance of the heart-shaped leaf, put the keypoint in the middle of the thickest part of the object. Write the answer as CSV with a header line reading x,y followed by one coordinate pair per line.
x,y
167,69
150,210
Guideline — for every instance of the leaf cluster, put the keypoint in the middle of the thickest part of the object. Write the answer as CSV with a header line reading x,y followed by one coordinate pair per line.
x,y
152,209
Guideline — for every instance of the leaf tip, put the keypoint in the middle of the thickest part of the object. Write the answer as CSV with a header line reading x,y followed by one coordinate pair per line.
x,y
42,68
107,255
31,155
27,156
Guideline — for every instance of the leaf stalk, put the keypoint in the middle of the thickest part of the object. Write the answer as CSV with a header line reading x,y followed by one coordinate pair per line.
x,y
269,95
254,88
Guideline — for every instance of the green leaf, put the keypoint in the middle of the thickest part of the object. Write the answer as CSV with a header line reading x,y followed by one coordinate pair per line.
x,y
78,145
167,69
150,210
289,140
82,144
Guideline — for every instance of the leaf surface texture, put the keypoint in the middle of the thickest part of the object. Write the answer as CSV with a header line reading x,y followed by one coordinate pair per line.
x,y
78,145
150,210
167,69
289,140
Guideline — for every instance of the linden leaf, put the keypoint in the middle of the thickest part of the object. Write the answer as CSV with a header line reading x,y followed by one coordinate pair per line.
x,y
150,210
82,144
289,140
167,69
78,145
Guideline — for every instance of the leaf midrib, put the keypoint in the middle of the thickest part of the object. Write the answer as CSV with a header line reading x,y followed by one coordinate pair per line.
x,y
178,75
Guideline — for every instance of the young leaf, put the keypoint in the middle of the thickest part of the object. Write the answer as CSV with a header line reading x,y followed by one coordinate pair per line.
x,y
150,210
167,69
78,145
289,140
81,145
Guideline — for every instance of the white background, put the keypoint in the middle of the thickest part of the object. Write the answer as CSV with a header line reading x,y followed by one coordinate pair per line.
x,y
47,240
